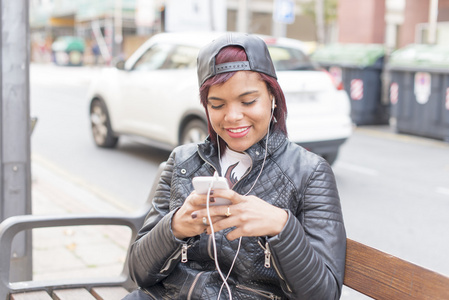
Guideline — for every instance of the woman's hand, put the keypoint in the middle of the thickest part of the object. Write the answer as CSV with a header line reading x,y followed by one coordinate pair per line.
x,y
188,220
250,215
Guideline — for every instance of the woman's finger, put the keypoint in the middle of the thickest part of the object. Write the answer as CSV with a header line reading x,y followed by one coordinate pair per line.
x,y
231,195
201,200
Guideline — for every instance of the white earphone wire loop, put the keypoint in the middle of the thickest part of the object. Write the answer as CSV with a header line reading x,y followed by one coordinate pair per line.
x,y
215,245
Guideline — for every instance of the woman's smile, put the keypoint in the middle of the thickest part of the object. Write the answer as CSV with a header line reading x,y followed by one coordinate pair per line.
x,y
238,132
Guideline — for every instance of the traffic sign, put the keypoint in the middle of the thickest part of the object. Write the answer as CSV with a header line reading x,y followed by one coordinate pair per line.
x,y
284,11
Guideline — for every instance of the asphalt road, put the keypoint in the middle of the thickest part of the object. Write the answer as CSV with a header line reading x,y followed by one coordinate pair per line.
x,y
395,194
394,188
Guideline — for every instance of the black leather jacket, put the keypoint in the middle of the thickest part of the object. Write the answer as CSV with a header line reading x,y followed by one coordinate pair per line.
x,y
305,261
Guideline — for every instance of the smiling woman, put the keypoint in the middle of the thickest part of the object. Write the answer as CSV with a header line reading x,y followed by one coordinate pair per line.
x,y
282,235
247,88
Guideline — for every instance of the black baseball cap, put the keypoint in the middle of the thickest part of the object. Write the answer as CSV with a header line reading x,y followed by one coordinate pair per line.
x,y
259,59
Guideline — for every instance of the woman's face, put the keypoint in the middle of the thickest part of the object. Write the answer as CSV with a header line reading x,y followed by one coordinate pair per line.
x,y
240,110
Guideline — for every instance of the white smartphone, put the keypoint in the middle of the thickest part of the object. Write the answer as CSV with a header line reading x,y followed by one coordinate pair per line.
x,y
202,184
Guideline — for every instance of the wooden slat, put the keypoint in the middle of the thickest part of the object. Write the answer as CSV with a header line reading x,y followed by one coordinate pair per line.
x,y
39,295
109,293
383,276
72,294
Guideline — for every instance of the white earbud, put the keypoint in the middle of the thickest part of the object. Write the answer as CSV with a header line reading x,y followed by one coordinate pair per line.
x,y
272,104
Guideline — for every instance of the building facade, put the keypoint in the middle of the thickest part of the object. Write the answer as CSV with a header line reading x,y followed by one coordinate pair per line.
x,y
404,21
118,27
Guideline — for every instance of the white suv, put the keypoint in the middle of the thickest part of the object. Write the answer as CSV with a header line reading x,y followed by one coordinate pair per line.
x,y
154,94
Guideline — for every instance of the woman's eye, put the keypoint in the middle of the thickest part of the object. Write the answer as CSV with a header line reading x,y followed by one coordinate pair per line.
x,y
216,106
249,102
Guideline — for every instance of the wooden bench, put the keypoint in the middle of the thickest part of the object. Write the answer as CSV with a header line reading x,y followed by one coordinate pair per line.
x,y
369,271
380,275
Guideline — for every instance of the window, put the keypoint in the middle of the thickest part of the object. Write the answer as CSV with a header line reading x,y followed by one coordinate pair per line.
x,y
285,59
154,58
182,57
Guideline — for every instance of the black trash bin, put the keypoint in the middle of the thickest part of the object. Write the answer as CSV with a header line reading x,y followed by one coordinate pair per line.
x,y
419,90
359,68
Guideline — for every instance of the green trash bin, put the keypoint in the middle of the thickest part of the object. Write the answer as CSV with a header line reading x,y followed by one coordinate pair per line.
x,y
359,68
68,51
419,90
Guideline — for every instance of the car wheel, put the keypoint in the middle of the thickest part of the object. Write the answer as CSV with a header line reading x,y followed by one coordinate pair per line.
x,y
331,157
101,126
194,132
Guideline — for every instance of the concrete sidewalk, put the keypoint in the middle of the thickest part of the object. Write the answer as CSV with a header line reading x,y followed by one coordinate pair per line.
x,y
73,252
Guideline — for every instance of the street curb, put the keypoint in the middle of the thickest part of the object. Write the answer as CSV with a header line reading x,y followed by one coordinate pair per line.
x,y
385,131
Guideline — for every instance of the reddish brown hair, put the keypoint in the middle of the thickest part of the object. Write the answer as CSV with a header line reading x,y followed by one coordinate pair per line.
x,y
236,53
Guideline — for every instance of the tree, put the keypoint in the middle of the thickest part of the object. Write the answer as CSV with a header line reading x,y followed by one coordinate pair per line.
x,y
324,12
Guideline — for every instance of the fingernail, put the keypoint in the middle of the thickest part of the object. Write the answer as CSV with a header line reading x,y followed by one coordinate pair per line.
x,y
211,192
194,215
212,199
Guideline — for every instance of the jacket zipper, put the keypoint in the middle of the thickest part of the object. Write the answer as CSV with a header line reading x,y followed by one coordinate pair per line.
x,y
189,295
175,256
184,252
269,259
265,294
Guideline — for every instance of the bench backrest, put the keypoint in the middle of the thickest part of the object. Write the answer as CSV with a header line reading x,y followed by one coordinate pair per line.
x,y
382,276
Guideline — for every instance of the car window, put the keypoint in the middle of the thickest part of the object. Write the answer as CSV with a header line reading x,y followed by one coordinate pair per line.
x,y
182,57
154,58
285,59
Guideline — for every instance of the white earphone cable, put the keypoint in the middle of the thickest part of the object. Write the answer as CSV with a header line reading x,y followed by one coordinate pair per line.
x,y
225,280
266,150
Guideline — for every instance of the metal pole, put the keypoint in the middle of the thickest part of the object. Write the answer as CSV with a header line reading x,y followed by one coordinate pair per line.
x,y
279,29
319,21
118,24
2,217
242,16
15,158
433,17
211,15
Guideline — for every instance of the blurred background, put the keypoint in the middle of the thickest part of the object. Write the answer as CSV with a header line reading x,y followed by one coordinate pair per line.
x,y
389,57
120,26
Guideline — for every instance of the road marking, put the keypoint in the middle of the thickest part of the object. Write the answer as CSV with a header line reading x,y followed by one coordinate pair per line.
x,y
358,169
442,190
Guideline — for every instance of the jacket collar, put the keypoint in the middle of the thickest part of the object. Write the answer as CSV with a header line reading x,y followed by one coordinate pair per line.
x,y
257,151
275,140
